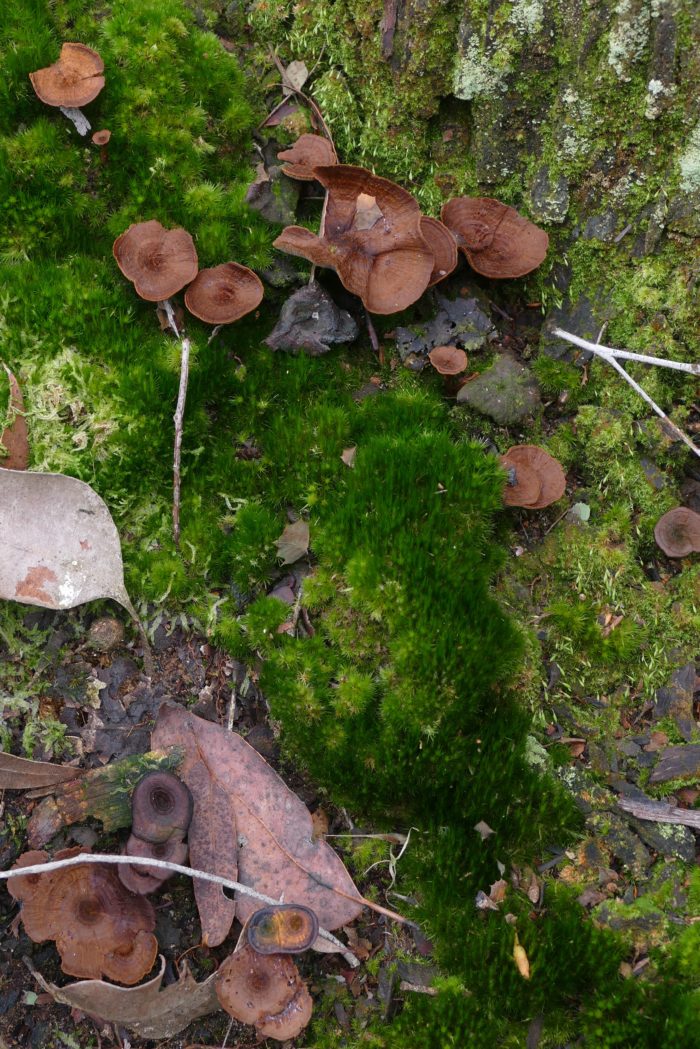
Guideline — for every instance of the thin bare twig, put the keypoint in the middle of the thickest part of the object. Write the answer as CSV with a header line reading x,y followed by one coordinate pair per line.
x,y
179,416
373,338
660,812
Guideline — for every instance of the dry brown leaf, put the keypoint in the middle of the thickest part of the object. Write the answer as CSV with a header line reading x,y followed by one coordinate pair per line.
x,y
59,546
497,892
294,542
521,960
22,774
14,440
147,1010
348,456
320,823
277,854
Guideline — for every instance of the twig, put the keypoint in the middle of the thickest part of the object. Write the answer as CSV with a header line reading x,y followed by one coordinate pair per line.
x,y
660,812
372,332
627,355
185,347
77,118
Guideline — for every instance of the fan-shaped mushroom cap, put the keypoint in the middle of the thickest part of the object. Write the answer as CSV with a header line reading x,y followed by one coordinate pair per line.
x,y
496,239
142,879
443,246
307,153
224,294
159,261
678,532
372,239
73,81
100,929
265,990
101,138
538,477
161,807
286,929
448,360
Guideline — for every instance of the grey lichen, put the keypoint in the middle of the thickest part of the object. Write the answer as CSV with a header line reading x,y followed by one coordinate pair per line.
x,y
629,36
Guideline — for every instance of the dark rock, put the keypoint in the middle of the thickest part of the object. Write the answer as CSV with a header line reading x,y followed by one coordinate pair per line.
x,y
261,739
8,999
585,317
507,392
600,227
122,725
678,762
549,199
610,915
684,214
622,842
668,839
690,493
282,273
311,321
415,973
654,476
628,748
676,700
459,322
602,759
275,197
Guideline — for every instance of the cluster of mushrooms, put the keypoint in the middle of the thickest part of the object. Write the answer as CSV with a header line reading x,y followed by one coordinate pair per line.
x,y
102,922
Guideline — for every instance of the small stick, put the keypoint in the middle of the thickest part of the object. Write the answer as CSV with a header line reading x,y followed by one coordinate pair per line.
x,y
371,330
652,404
608,351
77,118
660,812
185,347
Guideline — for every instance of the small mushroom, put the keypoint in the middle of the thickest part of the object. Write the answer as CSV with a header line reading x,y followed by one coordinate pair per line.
x,y
224,294
443,246
72,81
265,990
497,241
448,360
678,532
307,153
100,929
159,261
101,139
285,929
535,478
142,879
161,808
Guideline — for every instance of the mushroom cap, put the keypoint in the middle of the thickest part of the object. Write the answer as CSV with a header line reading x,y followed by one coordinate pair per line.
x,y
224,294
100,929
497,240
307,153
528,459
101,138
443,246
678,532
142,879
159,261
72,81
286,929
372,238
448,360
265,990
161,807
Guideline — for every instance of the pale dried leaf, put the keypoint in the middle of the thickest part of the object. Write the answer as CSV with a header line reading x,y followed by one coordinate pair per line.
x,y
367,212
23,774
348,456
147,1011
497,892
14,440
484,902
59,546
483,829
294,542
521,959
295,76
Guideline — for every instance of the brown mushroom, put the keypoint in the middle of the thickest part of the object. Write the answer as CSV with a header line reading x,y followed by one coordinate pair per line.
x,y
678,532
142,879
100,929
161,807
101,139
448,360
73,81
496,239
307,153
265,990
285,929
443,246
535,478
159,261
372,238
224,294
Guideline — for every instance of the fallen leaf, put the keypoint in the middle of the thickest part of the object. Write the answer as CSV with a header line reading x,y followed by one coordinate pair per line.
x,y
367,212
497,892
348,456
294,542
59,546
22,774
295,76
484,902
277,854
521,960
14,440
287,109
483,829
146,1010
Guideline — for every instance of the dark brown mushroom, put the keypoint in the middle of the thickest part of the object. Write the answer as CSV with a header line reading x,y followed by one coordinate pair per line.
x,y
307,153
443,245
73,81
448,360
535,478
372,238
678,532
265,990
161,807
142,879
286,929
159,261
224,294
496,239
100,929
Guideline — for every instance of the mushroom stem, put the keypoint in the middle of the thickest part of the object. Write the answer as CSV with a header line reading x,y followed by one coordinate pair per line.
x,y
608,351
373,338
179,414
77,118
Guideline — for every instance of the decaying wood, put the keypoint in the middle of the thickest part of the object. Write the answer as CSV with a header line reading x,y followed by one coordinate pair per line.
x,y
660,812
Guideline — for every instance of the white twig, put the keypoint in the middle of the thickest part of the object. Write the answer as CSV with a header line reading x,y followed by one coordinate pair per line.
x,y
178,418
660,812
175,868
627,355
652,404
77,118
